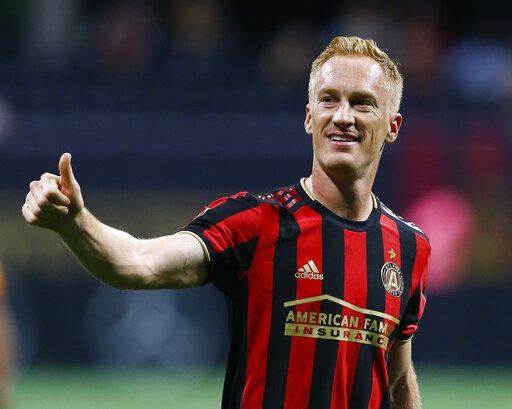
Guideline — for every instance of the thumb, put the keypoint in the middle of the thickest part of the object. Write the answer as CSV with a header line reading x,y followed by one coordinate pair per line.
x,y
66,172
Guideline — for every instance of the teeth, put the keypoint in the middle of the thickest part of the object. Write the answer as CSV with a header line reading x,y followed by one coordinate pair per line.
x,y
339,138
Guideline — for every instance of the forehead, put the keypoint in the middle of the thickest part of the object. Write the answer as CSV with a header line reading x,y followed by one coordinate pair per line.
x,y
351,73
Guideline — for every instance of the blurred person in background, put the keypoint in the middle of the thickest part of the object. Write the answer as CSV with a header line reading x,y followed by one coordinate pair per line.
x,y
197,40
486,184
323,259
283,64
124,39
6,345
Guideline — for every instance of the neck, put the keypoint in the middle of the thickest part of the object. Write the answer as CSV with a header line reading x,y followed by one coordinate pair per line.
x,y
347,196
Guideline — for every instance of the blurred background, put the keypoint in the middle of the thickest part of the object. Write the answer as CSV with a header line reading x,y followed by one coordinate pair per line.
x,y
167,105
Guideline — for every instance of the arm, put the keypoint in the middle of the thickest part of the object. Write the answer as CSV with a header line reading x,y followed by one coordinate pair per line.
x,y
112,256
405,393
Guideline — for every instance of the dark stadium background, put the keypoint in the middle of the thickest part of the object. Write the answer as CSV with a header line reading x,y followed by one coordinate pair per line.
x,y
167,105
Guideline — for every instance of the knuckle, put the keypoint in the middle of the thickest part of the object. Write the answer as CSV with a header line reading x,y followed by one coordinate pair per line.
x,y
40,202
47,191
33,184
61,209
48,176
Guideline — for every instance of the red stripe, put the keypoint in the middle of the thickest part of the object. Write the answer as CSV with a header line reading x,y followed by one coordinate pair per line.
x,y
300,366
234,229
224,199
292,202
420,271
391,244
259,310
419,278
354,293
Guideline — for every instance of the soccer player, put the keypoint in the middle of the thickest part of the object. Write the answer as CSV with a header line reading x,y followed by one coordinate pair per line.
x,y
324,284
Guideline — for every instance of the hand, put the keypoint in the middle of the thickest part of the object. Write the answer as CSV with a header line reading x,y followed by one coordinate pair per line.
x,y
54,200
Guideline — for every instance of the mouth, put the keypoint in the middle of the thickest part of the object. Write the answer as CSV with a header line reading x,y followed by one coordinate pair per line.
x,y
343,138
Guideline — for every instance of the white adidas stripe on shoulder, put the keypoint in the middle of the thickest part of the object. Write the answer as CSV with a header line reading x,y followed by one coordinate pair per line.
x,y
408,223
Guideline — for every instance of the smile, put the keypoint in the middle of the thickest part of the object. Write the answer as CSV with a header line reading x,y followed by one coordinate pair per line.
x,y
343,138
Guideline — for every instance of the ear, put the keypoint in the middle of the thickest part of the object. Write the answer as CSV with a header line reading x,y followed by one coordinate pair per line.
x,y
394,127
307,121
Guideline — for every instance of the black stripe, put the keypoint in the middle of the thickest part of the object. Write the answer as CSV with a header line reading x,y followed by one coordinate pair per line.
x,y
386,401
407,257
376,300
234,382
411,312
284,289
297,206
326,350
410,302
230,261
224,210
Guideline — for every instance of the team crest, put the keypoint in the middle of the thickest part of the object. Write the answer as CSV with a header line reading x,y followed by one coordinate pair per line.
x,y
392,279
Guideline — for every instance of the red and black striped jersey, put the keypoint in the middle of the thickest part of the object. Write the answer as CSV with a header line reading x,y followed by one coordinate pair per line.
x,y
315,301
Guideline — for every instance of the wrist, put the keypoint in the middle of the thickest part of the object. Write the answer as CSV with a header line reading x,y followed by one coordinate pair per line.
x,y
71,225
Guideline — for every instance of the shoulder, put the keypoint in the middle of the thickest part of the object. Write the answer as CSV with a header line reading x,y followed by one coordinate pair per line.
x,y
403,223
287,197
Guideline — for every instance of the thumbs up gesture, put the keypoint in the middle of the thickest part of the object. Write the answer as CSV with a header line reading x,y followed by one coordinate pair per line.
x,y
54,200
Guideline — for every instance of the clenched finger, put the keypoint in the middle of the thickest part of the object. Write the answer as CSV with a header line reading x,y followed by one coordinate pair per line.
x,y
50,189
32,205
41,207
27,214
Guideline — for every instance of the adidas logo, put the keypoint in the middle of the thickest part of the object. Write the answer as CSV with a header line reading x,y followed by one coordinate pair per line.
x,y
309,271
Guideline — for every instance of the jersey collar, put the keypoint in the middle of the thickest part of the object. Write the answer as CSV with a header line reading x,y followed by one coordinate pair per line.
x,y
305,188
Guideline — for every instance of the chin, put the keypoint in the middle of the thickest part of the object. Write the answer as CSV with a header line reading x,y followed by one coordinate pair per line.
x,y
340,160
338,165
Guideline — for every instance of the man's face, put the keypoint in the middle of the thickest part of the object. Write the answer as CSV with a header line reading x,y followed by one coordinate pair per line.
x,y
349,115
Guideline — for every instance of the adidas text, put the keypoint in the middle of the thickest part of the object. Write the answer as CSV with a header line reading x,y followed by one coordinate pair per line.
x,y
311,276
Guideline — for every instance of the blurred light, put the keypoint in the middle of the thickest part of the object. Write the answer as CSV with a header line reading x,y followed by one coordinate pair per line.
x,y
447,219
480,70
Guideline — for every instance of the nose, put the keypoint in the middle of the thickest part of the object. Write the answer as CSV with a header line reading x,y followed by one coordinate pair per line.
x,y
343,118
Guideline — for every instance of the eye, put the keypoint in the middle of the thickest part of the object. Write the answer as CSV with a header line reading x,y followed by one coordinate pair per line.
x,y
362,101
328,100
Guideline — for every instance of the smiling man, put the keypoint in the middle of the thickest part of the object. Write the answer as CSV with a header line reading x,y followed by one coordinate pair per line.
x,y
324,284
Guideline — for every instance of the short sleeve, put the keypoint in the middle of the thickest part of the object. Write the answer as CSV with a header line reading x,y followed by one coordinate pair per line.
x,y
418,298
228,230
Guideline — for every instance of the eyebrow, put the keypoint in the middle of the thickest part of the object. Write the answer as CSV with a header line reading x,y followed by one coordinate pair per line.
x,y
355,94
365,95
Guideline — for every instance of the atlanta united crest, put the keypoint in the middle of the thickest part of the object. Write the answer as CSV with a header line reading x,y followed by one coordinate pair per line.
x,y
392,279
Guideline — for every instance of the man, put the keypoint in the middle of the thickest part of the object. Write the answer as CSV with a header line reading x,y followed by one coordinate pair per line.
x,y
324,284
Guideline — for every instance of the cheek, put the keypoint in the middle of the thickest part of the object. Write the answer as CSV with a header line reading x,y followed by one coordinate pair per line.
x,y
320,120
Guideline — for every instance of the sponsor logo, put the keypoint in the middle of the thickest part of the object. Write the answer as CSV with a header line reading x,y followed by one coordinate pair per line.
x,y
350,324
309,271
392,279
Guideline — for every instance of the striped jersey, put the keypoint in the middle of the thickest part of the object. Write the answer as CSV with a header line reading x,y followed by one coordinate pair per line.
x,y
315,301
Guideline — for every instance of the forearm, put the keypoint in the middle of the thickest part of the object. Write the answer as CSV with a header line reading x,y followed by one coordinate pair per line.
x,y
405,392
111,255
